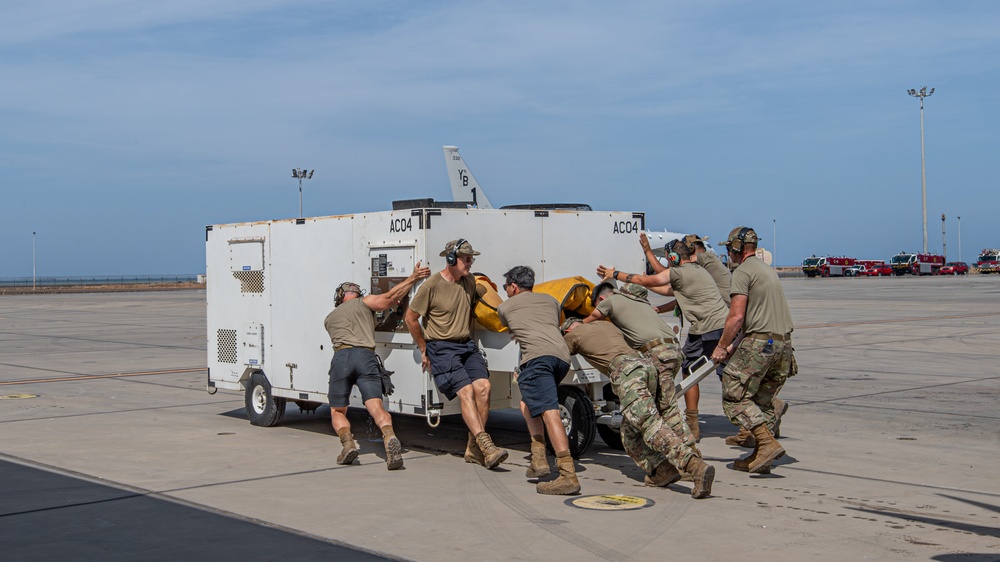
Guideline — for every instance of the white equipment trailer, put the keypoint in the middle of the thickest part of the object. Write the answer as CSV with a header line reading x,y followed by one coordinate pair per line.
x,y
271,283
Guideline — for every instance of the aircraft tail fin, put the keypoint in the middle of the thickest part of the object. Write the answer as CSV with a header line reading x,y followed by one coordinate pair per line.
x,y
464,187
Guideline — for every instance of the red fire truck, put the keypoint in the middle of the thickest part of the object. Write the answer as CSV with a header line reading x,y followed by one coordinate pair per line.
x,y
826,266
916,264
989,261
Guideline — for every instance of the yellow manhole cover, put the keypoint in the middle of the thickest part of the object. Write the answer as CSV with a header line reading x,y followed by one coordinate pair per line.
x,y
614,502
17,396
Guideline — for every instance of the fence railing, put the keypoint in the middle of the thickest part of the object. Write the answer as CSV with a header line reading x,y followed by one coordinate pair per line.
x,y
95,280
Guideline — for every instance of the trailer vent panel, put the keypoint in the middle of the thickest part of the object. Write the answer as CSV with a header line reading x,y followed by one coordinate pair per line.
x,y
251,281
227,346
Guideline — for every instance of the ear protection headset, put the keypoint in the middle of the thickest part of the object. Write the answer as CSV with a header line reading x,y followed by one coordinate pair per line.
x,y
343,289
673,257
741,238
452,257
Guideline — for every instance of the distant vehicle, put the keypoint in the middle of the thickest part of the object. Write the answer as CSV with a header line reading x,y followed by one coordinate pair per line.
x,y
916,264
826,266
989,261
861,268
955,268
878,269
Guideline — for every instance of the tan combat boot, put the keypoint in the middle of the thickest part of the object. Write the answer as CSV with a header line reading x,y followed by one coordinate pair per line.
x,y
566,484
539,462
393,449
472,452
702,475
743,464
664,475
350,451
691,416
768,449
492,455
780,407
742,439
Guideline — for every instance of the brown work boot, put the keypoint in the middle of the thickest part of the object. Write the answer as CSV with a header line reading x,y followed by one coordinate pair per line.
x,y
472,452
742,439
702,475
492,455
768,449
743,464
691,416
350,451
664,475
566,484
780,407
393,449
539,462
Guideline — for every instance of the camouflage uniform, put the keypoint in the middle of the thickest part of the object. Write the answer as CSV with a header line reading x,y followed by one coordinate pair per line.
x,y
650,434
753,378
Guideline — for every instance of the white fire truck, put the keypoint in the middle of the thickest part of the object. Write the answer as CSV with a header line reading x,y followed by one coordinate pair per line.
x,y
916,264
270,286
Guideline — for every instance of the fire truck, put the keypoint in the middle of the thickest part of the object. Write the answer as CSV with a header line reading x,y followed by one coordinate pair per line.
x,y
826,266
916,264
989,261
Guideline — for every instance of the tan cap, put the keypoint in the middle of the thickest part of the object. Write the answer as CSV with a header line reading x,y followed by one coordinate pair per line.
x,y
744,234
636,290
465,248
690,239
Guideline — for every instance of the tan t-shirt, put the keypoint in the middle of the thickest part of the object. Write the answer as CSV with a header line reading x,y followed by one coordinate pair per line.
x,y
699,298
599,343
767,309
636,319
352,323
533,319
446,307
719,272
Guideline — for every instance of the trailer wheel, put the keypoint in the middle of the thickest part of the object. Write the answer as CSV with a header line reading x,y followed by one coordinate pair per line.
x,y
577,413
612,437
263,408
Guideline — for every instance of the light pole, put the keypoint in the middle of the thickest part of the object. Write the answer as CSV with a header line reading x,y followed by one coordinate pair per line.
x,y
944,241
300,175
32,260
922,93
774,245
959,238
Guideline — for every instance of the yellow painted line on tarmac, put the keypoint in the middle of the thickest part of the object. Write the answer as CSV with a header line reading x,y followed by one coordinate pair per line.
x,y
896,320
107,376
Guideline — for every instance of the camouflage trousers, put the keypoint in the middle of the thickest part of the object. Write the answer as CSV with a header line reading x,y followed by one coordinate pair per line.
x,y
667,357
752,379
651,435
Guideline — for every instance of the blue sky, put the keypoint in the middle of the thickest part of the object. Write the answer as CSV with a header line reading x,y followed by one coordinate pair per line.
x,y
128,125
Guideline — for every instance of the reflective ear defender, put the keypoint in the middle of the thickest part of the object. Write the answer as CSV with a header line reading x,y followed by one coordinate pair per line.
x,y
452,257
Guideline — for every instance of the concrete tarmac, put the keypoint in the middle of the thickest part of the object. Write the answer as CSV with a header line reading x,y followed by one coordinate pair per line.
x,y
112,449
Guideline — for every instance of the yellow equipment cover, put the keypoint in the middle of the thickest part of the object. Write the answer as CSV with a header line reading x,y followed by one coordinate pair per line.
x,y
486,305
572,293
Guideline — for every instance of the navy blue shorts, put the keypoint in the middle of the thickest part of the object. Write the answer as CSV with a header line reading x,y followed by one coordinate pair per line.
x,y
354,366
698,345
538,381
455,365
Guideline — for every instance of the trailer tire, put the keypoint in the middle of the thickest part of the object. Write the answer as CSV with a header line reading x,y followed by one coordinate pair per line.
x,y
612,437
263,408
577,413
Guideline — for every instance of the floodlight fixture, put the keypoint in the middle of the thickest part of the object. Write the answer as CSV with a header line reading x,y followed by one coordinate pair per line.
x,y
301,174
